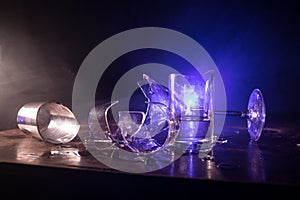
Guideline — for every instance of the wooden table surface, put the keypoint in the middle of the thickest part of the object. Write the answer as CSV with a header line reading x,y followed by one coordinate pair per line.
x,y
271,164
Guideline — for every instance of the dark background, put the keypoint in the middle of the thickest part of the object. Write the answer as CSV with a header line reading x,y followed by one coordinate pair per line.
x,y
255,44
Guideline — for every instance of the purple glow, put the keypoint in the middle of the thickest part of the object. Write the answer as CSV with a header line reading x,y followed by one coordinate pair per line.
x,y
190,97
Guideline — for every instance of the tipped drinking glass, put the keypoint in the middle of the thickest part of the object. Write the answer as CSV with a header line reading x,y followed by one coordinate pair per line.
x,y
191,100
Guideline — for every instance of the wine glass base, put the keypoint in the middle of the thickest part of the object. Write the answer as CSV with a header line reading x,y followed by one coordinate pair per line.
x,y
256,114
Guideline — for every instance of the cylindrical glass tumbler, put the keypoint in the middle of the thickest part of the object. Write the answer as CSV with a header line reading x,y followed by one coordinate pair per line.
x,y
49,121
191,101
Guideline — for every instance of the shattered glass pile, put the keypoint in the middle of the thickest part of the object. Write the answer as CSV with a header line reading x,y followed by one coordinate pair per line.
x,y
136,131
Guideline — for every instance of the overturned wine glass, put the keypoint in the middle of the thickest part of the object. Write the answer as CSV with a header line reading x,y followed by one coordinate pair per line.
x,y
255,113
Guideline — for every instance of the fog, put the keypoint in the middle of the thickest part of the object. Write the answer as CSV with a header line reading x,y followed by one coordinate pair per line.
x,y
43,43
28,73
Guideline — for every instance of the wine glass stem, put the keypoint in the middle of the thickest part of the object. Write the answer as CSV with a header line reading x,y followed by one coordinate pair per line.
x,y
231,113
